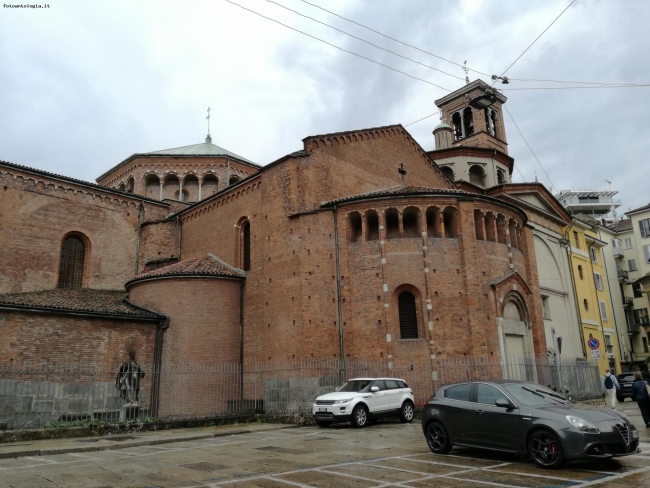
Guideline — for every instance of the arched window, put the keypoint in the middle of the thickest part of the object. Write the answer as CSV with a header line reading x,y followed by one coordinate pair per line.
x,y
450,218
122,187
477,175
408,321
490,232
512,231
468,121
501,229
411,222
246,245
171,187
372,225
152,186
501,177
448,172
73,258
585,304
478,225
191,184
129,185
354,227
209,185
458,129
433,222
392,223
494,117
233,179
580,273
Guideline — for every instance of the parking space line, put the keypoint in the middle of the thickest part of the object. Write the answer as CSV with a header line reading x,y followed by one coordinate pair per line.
x,y
492,483
395,469
436,462
324,470
530,474
615,477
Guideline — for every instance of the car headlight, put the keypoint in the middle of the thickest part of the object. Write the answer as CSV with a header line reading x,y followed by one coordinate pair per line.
x,y
340,401
582,425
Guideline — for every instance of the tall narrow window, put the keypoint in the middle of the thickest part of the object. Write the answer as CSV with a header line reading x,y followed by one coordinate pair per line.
x,y
71,269
354,227
408,323
468,121
246,245
458,129
411,222
450,220
392,223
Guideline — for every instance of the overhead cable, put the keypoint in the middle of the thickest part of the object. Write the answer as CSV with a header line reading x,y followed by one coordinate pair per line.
x,y
531,149
363,40
392,38
337,47
531,44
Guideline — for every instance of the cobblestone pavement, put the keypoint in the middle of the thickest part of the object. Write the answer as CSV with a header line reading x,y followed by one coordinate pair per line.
x,y
383,455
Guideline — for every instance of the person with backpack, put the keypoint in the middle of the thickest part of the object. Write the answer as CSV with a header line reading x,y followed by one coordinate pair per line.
x,y
610,385
640,395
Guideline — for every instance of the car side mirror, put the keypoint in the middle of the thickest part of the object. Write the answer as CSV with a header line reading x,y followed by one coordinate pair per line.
x,y
374,388
503,403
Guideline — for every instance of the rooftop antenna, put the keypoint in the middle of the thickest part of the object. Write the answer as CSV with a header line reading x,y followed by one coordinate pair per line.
x,y
609,184
466,70
208,139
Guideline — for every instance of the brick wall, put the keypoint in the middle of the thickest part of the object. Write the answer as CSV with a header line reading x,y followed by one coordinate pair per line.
x,y
37,212
203,330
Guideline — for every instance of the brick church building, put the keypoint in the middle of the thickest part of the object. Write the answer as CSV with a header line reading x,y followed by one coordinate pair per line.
x,y
360,245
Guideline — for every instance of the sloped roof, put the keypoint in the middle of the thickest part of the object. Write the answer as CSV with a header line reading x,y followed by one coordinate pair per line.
x,y
640,209
403,190
203,149
207,265
622,225
100,302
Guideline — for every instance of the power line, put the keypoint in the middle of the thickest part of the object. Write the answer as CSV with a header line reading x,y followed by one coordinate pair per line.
x,y
391,38
363,40
531,149
531,44
577,82
572,87
336,47
423,118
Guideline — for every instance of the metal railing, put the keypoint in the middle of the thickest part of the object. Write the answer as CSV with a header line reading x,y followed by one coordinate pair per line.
x,y
33,395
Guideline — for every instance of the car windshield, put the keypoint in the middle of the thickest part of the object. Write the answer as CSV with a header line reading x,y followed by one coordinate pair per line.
x,y
531,394
626,377
354,385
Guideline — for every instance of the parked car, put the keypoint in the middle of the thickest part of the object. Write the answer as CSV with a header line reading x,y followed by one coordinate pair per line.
x,y
363,400
625,382
524,418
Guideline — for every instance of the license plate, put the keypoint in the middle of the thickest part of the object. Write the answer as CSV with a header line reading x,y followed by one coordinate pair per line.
x,y
322,410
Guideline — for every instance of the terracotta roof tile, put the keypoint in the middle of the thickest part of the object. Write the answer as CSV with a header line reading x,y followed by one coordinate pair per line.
x,y
625,224
207,265
105,302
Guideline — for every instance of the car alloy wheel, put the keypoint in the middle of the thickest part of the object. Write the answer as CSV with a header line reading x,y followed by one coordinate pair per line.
x,y
406,412
437,438
359,416
546,450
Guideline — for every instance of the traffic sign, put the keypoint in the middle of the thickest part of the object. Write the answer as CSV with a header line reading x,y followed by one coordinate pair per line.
x,y
593,343
595,354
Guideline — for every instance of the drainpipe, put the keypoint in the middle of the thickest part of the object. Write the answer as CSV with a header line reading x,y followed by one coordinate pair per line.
x,y
180,236
241,344
575,291
137,248
338,293
157,357
611,302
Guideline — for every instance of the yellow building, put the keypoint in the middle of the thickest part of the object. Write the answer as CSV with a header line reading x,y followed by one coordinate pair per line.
x,y
592,296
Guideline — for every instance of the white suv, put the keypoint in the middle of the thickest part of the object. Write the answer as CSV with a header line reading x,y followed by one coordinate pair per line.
x,y
363,400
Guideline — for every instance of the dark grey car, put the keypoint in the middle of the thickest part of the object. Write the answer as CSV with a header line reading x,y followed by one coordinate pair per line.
x,y
524,418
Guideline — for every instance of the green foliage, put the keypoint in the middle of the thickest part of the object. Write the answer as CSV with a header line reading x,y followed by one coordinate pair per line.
x,y
71,423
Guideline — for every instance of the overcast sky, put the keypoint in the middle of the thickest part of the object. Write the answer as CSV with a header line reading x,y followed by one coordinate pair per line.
x,y
85,84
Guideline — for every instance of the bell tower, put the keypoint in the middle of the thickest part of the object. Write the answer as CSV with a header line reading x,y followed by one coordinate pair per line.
x,y
475,115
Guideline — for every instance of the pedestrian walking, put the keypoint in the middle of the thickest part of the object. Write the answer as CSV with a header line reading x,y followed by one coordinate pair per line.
x,y
610,385
640,395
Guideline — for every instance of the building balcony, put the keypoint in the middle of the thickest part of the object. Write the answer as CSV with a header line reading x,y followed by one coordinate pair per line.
x,y
628,301
622,274
632,328
617,251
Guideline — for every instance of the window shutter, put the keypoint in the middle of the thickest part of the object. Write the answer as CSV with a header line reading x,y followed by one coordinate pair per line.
x,y
599,281
603,311
631,264
646,253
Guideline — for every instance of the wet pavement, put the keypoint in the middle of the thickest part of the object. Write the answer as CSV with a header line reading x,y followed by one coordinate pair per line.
x,y
266,455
